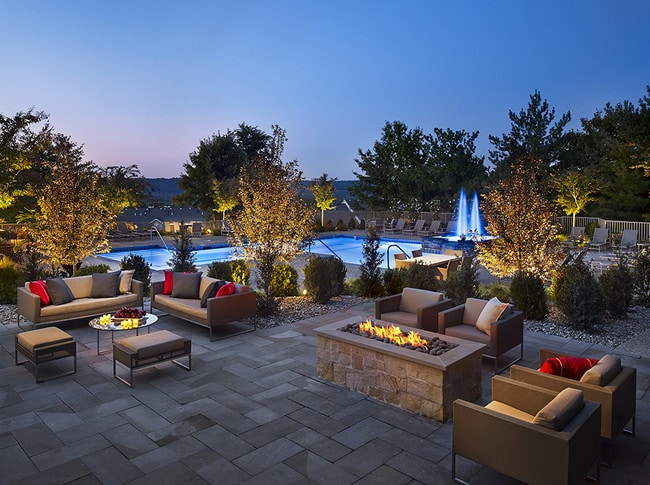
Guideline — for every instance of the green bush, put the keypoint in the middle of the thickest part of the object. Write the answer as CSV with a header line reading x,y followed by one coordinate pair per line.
x,y
236,271
352,224
641,278
92,268
141,270
394,281
341,226
489,291
463,284
10,279
576,293
616,286
220,270
284,281
324,278
370,279
422,276
529,295
352,286
183,257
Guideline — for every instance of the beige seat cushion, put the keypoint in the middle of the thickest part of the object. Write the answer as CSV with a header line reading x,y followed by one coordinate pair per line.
x,y
414,298
153,343
557,413
33,339
603,372
401,318
510,411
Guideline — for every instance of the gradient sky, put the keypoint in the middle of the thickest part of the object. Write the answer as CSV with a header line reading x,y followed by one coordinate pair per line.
x,y
142,82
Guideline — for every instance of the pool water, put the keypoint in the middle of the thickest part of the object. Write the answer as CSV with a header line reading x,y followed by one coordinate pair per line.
x,y
348,248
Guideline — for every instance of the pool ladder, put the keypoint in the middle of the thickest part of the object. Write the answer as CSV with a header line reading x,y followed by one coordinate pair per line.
x,y
328,248
388,253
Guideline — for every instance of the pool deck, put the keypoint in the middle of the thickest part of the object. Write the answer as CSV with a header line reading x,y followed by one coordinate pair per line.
x,y
253,411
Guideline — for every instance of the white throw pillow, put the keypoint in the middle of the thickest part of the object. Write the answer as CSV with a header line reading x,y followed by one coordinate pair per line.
x,y
490,314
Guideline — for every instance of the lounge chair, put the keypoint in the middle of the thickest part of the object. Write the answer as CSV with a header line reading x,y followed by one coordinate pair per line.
x,y
628,239
451,227
400,260
197,229
399,227
413,307
600,239
226,230
416,253
434,228
419,225
577,235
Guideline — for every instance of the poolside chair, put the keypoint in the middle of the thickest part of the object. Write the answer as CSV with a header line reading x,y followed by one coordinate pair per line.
x,y
399,226
226,230
628,239
434,228
529,433
443,272
400,260
419,225
197,229
600,239
577,235
416,253
451,226
413,307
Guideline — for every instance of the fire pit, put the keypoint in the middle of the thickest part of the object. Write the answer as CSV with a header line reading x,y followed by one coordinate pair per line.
x,y
417,381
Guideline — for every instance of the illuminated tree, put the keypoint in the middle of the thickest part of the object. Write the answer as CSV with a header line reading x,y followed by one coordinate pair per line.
x,y
273,221
122,187
323,190
224,195
523,221
574,191
72,221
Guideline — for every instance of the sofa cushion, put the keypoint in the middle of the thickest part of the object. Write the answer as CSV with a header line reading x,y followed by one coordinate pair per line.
x,y
80,307
401,318
227,289
59,292
414,298
490,314
557,413
569,367
169,282
603,372
211,292
186,285
126,278
154,343
468,332
205,282
39,288
105,285
80,286
473,308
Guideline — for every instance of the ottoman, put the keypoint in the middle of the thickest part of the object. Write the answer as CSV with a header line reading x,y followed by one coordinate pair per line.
x,y
45,345
150,349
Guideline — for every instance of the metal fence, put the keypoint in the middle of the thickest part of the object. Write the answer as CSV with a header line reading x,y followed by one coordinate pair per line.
x,y
615,227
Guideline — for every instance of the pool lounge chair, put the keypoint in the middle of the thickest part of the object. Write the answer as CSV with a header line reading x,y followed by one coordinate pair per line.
x,y
434,228
397,228
577,234
628,239
600,239
451,226
419,225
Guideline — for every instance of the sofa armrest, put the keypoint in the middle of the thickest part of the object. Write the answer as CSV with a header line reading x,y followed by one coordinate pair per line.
x,y
29,304
451,317
137,288
231,308
507,332
428,314
387,304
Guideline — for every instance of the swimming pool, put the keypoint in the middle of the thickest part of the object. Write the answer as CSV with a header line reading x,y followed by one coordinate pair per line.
x,y
348,248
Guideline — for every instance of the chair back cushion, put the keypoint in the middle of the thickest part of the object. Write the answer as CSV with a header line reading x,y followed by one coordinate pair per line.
x,y
603,372
491,313
414,298
557,413
473,308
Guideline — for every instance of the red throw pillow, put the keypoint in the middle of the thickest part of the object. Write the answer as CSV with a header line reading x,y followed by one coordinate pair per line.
x,y
39,288
168,285
570,367
227,289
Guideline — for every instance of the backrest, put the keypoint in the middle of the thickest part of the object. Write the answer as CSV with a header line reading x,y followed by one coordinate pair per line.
x,y
451,226
419,224
435,225
400,224
80,286
401,256
473,308
416,253
452,265
577,231
629,237
121,226
414,298
600,235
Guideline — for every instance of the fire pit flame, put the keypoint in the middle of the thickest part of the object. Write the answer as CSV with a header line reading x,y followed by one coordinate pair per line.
x,y
394,334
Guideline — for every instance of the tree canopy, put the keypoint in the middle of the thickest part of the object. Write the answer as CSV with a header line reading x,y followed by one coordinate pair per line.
x,y
323,190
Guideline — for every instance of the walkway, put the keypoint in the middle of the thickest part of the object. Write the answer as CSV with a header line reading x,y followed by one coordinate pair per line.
x,y
251,411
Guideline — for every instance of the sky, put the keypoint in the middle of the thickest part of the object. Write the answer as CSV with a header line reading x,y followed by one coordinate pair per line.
x,y
144,81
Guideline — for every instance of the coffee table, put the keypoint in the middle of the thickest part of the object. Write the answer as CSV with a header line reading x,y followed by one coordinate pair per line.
x,y
146,321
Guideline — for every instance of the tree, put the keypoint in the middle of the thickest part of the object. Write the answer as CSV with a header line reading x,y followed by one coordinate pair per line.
x,y
273,220
521,217
183,257
219,158
574,191
122,187
224,195
533,136
17,140
72,222
323,190
370,279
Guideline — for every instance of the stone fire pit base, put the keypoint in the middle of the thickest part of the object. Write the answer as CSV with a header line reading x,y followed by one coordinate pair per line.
x,y
421,383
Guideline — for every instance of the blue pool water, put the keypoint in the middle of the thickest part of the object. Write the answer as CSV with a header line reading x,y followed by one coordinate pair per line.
x,y
348,248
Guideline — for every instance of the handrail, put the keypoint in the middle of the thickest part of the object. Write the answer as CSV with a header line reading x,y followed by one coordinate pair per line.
x,y
328,248
154,228
388,255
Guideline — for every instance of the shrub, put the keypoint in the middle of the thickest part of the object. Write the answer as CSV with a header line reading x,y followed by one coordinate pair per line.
x,y
362,225
183,257
220,270
352,286
240,272
576,293
10,279
463,284
352,224
141,270
284,281
370,279
324,278
92,268
422,276
616,286
529,295
341,226
394,281
501,291
641,278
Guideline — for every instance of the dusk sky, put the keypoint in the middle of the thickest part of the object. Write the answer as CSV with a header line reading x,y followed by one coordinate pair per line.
x,y
142,82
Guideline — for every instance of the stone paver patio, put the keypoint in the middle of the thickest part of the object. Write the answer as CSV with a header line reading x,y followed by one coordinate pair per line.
x,y
252,410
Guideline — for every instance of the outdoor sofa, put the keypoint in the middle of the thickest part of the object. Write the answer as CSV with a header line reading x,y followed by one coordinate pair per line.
x,y
182,295
59,300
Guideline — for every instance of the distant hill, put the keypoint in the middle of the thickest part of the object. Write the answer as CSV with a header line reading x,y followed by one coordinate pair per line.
x,y
164,189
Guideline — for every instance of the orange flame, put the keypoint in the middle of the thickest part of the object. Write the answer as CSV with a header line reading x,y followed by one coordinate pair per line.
x,y
393,333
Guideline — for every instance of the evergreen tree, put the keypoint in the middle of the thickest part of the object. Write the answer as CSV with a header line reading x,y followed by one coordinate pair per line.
x,y
183,257
370,279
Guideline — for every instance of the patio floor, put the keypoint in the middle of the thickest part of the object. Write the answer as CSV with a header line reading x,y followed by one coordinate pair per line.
x,y
252,410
